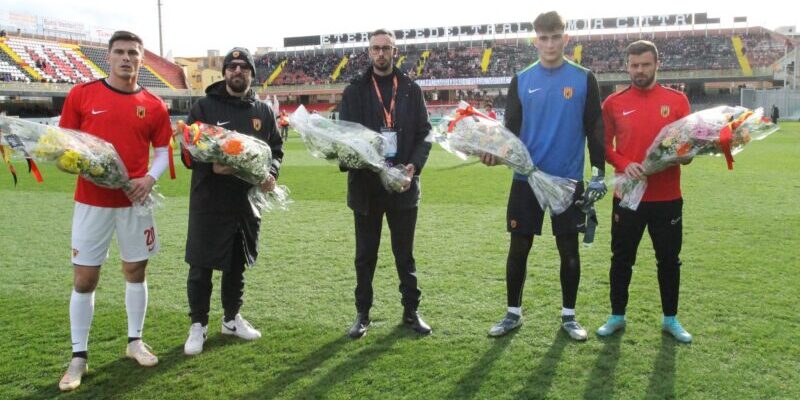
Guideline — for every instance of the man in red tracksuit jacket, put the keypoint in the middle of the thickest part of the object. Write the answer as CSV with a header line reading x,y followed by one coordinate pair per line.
x,y
633,117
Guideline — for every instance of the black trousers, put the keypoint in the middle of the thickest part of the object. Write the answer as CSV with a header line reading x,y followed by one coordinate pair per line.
x,y
517,267
199,285
664,222
402,224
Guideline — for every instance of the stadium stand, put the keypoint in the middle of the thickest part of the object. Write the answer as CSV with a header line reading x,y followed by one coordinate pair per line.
x,y
692,51
168,72
52,61
146,78
9,70
40,60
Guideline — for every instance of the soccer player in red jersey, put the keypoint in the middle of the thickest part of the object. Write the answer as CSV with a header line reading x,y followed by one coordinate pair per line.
x,y
633,117
129,117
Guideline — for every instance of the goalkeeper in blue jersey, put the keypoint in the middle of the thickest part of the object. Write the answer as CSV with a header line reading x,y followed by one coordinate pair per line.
x,y
554,108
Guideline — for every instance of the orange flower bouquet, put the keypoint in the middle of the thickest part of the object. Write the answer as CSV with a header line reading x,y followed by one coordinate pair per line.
x,y
248,156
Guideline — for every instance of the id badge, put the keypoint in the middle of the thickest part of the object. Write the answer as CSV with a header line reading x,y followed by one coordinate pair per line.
x,y
389,137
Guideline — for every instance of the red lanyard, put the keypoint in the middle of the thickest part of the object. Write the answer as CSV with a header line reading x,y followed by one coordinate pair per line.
x,y
387,114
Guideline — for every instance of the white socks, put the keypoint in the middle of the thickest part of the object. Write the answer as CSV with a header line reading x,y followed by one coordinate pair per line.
x,y
515,310
81,312
567,312
136,307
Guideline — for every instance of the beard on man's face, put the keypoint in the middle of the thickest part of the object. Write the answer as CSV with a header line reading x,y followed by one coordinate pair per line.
x,y
237,84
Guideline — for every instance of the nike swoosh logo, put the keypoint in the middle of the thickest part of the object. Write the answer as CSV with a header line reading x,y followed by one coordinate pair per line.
x,y
675,221
98,112
532,91
75,343
581,225
624,113
222,123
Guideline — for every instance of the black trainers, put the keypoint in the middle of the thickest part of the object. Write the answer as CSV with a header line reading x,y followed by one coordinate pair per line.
x,y
413,320
360,326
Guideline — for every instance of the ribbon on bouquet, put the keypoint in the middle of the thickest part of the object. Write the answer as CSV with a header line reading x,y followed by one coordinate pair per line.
x,y
464,113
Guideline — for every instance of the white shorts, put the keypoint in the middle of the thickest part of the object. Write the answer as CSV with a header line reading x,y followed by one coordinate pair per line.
x,y
92,228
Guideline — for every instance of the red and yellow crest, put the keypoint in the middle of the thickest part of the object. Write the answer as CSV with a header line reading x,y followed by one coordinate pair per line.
x,y
567,92
256,124
665,111
236,54
140,112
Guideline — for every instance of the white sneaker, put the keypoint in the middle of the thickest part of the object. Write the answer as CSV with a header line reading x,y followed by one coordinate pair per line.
x,y
78,367
241,328
142,353
197,336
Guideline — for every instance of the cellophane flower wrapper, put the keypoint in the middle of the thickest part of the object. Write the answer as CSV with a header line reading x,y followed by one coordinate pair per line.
x,y
349,144
73,152
466,132
697,134
249,157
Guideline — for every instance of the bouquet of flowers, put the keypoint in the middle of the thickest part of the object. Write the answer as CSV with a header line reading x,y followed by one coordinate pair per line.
x,y
349,144
467,132
73,152
249,157
720,130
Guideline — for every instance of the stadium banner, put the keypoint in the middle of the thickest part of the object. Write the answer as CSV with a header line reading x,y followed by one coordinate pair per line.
x,y
23,21
494,80
481,30
55,25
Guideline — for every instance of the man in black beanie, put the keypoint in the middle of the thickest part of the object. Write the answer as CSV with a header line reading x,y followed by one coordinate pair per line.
x,y
223,231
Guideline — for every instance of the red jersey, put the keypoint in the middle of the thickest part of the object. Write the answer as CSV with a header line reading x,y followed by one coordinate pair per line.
x,y
633,117
129,121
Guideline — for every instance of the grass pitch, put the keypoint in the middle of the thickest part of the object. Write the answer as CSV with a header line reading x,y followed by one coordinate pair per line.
x,y
740,282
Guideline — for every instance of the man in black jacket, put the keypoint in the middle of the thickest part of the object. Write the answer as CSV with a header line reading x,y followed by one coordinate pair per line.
x,y
223,231
386,101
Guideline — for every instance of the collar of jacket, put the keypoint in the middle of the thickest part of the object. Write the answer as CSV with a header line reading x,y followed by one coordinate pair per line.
x,y
365,77
218,91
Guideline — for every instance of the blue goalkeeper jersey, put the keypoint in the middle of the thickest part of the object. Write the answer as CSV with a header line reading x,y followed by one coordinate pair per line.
x,y
552,104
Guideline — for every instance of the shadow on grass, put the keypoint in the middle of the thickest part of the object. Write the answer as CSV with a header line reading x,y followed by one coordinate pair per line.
x,y
662,380
298,370
469,384
116,378
601,381
538,384
354,363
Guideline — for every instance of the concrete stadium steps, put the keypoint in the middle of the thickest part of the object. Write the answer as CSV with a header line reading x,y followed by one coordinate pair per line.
x,y
338,70
275,73
487,57
744,63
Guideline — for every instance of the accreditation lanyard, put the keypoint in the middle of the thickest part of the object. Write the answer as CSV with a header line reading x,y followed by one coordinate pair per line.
x,y
387,114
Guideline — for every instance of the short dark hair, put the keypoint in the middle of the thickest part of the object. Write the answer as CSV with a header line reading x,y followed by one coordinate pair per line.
x,y
382,32
550,21
124,35
640,47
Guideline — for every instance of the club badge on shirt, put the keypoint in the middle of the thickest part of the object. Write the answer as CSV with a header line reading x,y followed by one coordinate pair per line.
x,y
257,124
568,92
140,112
665,111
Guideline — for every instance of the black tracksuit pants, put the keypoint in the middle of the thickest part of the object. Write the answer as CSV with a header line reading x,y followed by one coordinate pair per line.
x,y
664,222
